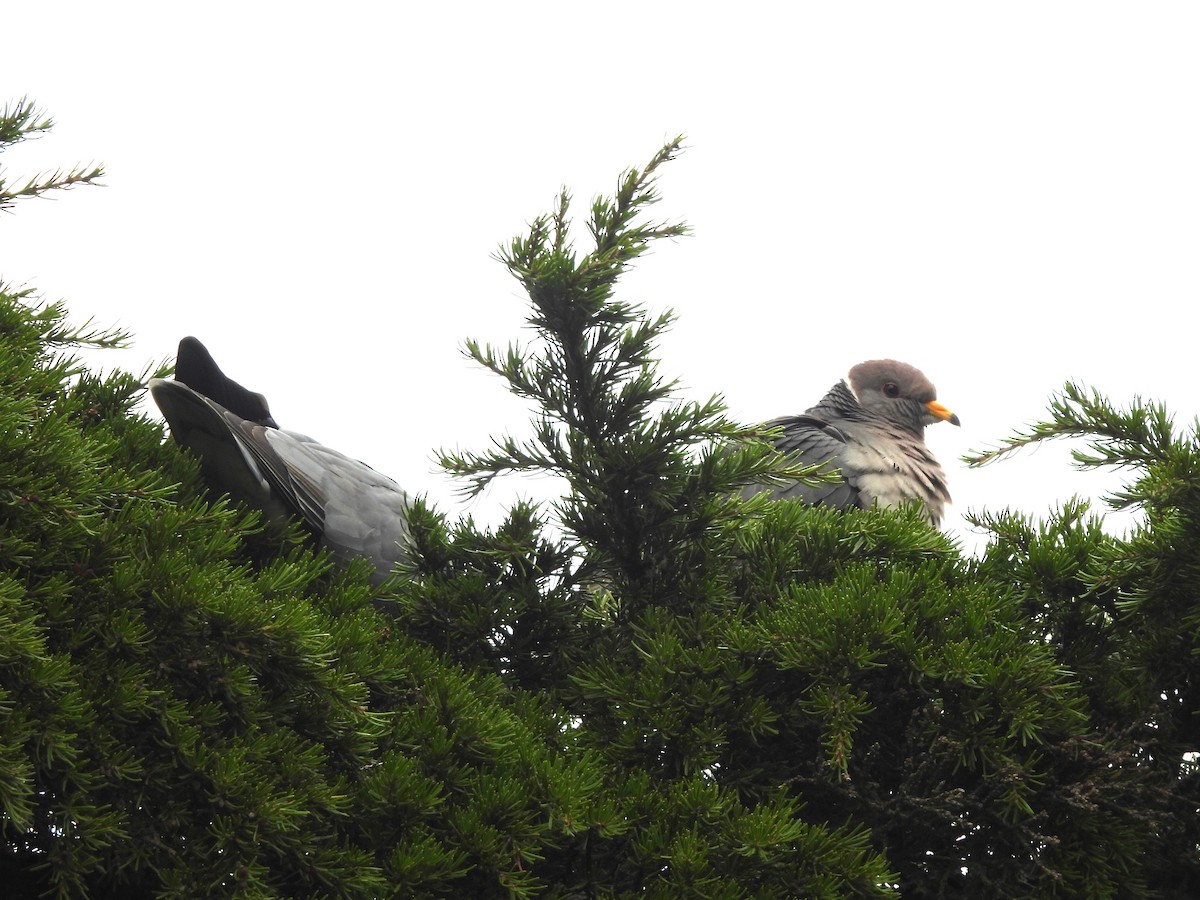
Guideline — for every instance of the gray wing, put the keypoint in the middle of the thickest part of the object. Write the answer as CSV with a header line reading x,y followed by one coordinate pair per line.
x,y
215,436
350,507
361,512
810,440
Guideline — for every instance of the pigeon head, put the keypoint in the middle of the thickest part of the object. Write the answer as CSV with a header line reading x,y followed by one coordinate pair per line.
x,y
898,392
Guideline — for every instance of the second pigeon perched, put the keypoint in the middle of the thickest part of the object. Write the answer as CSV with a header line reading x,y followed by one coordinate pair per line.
x,y
348,506
871,431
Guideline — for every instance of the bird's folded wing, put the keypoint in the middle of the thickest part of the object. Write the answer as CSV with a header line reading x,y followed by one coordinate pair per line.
x,y
281,458
361,511
812,441
201,426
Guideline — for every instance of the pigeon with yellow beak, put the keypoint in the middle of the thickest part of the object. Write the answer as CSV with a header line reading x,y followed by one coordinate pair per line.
x,y
870,431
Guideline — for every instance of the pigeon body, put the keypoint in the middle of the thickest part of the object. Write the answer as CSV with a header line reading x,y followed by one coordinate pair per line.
x,y
872,431
348,506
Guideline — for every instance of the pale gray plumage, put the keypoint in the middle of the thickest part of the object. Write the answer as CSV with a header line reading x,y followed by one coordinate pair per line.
x,y
872,431
348,506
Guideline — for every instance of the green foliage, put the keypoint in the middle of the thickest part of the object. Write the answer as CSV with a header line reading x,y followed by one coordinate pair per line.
x,y
175,722
187,712
977,721
653,688
22,121
644,480
1125,615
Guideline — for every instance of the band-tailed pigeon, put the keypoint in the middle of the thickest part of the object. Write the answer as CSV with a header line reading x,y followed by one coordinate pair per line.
x,y
349,507
873,432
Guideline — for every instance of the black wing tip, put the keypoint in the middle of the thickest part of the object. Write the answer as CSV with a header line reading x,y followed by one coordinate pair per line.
x,y
196,368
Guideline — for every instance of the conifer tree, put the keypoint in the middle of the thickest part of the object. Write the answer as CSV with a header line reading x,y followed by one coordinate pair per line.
x,y
1124,615
180,718
650,688
804,702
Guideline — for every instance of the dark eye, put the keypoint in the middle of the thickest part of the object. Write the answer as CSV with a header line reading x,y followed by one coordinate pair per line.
x,y
891,389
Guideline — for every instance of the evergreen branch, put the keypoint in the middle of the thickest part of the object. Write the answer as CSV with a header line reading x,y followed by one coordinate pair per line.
x,y
758,463
57,181
523,381
56,331
642,470
1139,436
86,335
610,219
546,453
21,122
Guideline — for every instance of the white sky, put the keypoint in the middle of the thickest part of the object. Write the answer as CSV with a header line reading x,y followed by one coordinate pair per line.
x,y
1005,195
